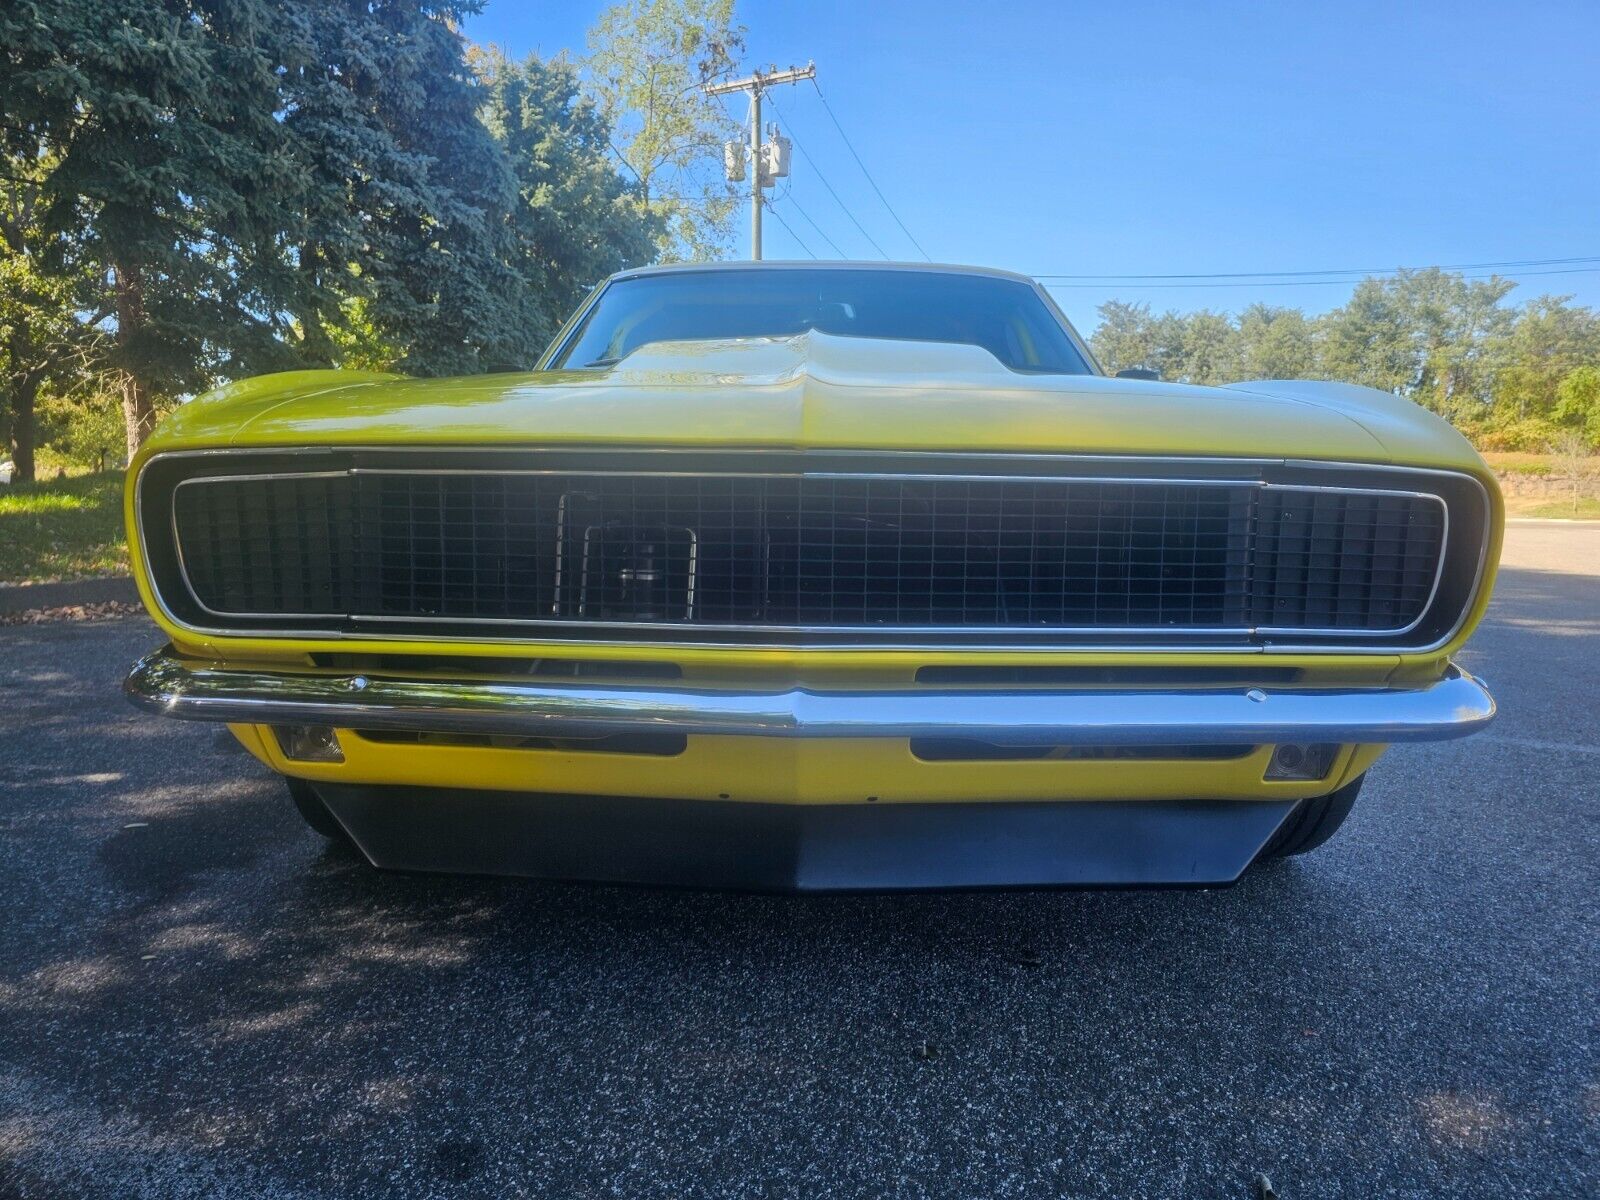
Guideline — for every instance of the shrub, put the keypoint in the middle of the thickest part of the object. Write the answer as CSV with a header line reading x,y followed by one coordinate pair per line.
x,y
1531,433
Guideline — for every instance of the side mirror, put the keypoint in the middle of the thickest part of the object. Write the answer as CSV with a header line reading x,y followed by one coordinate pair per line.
x,y
1139,373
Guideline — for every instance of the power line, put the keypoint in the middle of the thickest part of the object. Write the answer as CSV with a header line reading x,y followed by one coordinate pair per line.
x,y
813,164
1113,283
791,232
791,200
846,138
1479,266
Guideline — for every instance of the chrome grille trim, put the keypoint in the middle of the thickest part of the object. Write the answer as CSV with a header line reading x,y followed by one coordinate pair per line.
x,y
1476,553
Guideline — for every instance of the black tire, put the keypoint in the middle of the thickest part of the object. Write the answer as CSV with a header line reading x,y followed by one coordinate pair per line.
x,y
315,812
1312,822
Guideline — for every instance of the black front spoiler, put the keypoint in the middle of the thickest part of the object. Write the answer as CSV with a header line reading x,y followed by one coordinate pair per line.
x,y
806,848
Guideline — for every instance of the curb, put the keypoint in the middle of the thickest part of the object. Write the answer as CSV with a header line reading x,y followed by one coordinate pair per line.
x,y
98,589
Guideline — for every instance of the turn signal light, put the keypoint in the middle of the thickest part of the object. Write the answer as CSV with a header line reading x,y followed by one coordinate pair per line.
x,y
309,743
1292,761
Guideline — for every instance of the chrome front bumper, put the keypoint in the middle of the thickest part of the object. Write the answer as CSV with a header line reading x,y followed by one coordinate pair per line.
x,y
1455,706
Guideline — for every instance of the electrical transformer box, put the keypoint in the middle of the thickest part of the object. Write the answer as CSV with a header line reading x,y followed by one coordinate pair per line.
x,y
775,157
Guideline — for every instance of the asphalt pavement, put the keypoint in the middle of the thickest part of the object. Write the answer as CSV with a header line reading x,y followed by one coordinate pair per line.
x,y
198,998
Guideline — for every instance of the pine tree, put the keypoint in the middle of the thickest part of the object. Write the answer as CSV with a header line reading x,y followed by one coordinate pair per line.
x,y
404,227
577,219
169,168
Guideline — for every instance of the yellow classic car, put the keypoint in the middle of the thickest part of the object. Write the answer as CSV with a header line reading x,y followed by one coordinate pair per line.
x,y
815,577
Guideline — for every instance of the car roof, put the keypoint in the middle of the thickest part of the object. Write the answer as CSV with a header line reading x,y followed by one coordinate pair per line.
x,y
824,265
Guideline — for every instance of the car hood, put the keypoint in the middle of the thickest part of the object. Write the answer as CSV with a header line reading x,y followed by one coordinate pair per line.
x,y
820,391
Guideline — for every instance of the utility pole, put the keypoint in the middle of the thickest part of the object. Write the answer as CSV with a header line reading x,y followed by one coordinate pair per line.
x,y
760,176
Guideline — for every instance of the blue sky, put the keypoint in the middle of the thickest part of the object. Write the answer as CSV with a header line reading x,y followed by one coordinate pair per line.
x,y
1141,138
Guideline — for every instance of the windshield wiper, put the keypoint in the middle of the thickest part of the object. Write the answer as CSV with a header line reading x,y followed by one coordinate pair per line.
x,y
604,362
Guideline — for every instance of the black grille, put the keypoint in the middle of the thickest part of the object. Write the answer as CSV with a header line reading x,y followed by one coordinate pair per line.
x,y
1343,560
810,551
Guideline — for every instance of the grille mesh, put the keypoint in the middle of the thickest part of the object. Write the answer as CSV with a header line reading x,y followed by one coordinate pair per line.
x,y
1343,560
810,551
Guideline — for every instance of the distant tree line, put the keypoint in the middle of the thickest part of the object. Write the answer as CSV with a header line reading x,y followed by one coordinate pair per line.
x,y
195,191
1511,377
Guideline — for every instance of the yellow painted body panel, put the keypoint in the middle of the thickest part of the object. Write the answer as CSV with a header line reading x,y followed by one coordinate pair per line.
x,y
780,771
814,392
820,392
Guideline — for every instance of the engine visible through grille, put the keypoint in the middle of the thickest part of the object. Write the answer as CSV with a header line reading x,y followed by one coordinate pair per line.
x,y
566,551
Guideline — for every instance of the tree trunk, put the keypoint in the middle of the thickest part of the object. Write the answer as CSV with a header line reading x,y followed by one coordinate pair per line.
x,y
24,389
138,413
22,398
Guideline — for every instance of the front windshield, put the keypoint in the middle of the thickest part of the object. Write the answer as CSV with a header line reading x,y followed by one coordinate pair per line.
x,y
1006,317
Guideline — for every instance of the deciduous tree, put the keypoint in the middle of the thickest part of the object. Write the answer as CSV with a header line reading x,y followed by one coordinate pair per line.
x,y
1275,343
1125,338
647,63
1572,453
1368,340
1207,349
1455,324
1551,338
1578,402
49,332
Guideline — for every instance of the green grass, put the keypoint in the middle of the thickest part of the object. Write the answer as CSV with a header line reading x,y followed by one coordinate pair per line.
x,y
61,529
1588,509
